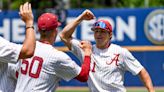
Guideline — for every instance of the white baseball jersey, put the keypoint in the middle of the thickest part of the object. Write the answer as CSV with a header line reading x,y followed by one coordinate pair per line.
x,y
108,67
45,69
11,77
9,52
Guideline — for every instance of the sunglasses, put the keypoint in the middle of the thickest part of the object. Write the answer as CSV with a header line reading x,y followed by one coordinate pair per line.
x,y
100,24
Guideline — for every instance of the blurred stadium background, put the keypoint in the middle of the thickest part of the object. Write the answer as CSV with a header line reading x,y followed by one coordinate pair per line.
x,y
138,26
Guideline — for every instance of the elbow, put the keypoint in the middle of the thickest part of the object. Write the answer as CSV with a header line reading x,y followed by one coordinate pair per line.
x,y
27,52
85,79
62,37
30,53
82,78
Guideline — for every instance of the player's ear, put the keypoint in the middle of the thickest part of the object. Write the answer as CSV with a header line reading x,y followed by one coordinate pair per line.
x,y
110,35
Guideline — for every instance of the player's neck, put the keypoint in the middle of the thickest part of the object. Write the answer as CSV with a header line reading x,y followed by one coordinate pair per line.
x,y
105,46
45,41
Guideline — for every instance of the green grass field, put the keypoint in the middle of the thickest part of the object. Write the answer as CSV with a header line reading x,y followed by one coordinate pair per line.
x,y
84,89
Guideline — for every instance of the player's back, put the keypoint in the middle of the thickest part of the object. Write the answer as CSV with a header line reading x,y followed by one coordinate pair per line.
x,y
39,73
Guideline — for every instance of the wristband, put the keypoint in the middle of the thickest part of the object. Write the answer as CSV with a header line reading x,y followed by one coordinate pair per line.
x,y
30,27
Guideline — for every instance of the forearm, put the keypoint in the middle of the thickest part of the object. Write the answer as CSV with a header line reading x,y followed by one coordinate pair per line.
x,y
30,39
28,44
146,80
70,28
85,68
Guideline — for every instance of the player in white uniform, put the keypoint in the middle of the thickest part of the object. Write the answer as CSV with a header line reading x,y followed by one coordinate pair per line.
x,y
11,52
48,66
109,61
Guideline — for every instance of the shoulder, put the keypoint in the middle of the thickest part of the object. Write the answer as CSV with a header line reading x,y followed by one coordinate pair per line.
x,y
60,55
115,46
4,42
118,47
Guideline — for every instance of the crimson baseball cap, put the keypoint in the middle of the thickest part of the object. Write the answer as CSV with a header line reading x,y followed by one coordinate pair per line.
x,y
48,22
102,24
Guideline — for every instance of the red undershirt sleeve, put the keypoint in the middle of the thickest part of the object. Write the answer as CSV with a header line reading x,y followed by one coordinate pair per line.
x,y
85,68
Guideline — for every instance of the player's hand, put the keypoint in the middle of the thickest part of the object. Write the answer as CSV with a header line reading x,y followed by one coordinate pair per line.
x,y
87,15
25,12
87,47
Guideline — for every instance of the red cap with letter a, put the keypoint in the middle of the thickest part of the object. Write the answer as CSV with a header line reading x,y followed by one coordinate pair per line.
x,y
48,22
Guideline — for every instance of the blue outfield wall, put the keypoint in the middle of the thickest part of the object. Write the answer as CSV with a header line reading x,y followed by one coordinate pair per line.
x,y
153,61
131,27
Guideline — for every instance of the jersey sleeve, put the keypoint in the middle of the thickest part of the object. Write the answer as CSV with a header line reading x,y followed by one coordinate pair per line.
x,y
12,69
76,50
9,52
131,64
66,68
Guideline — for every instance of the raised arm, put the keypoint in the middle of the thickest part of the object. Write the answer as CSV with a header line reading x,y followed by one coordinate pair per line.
x,y
144,76
29,42
66,34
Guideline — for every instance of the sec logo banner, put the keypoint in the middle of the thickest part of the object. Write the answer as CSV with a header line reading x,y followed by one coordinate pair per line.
x,y
154,27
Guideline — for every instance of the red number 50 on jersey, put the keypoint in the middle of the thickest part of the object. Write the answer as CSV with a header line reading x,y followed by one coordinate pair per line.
x,y
33,68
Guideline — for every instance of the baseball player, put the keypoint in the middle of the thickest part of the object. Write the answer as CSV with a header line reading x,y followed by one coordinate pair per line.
x,y
109,62
11,52
48,66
